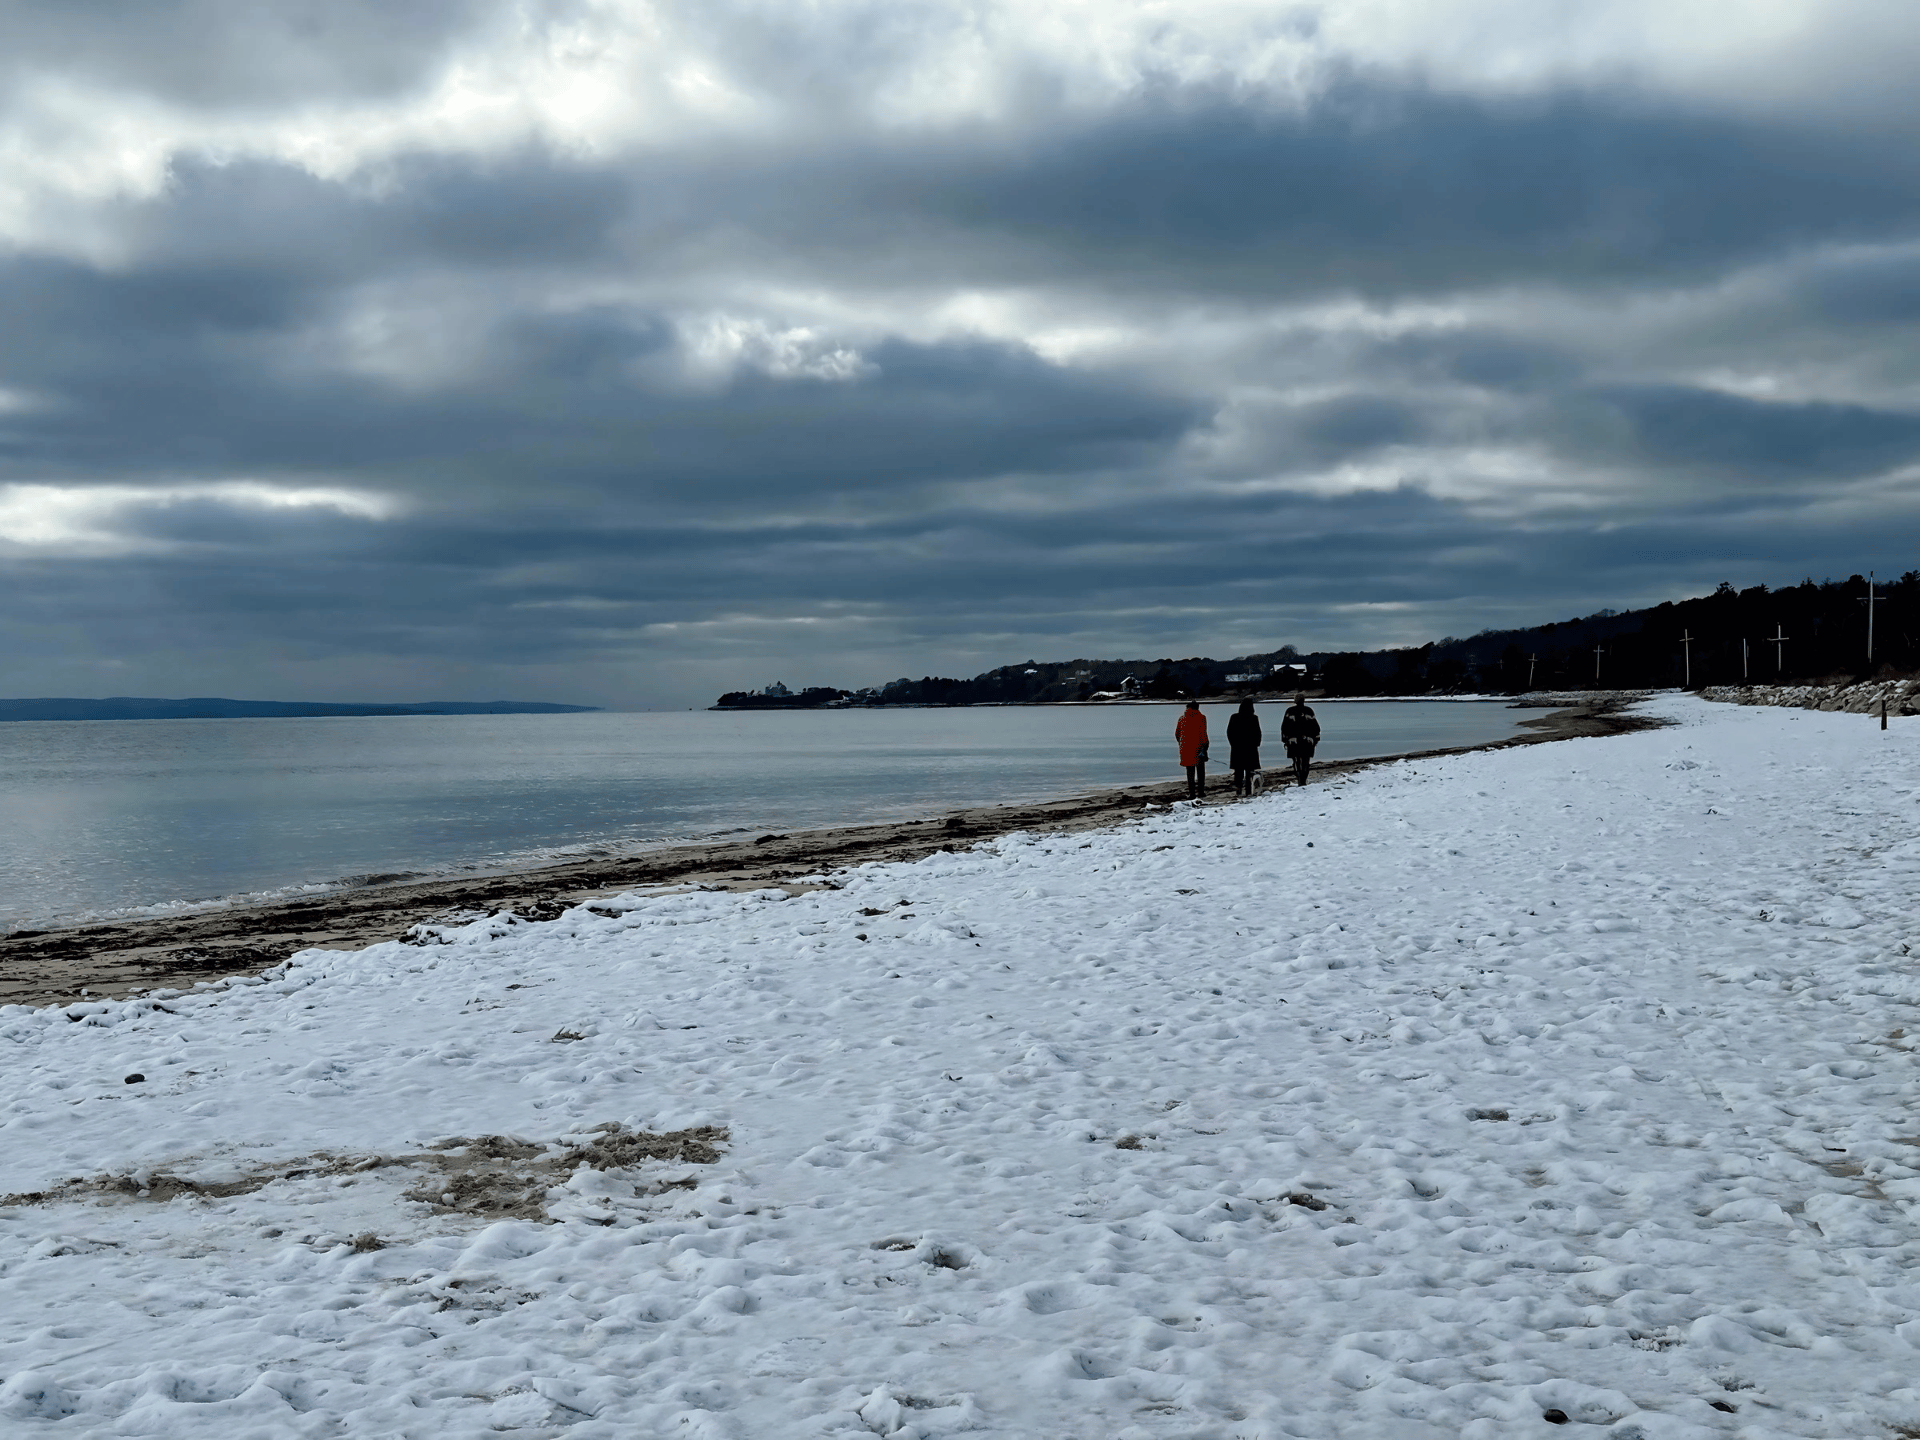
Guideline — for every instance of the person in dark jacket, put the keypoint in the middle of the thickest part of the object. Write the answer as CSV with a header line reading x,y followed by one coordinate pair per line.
x,y
1243,746
1299,732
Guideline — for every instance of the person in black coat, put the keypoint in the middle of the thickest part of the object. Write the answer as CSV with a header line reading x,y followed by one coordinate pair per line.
x,y
1300,732
1243,744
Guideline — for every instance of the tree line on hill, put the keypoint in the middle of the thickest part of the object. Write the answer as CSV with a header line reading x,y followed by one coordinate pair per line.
x,y
1801,633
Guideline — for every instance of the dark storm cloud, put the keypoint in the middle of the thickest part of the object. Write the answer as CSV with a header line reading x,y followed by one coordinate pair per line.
x,y
1375,187
1149,578
1868,291
1678,426
1391,190
1477,356
510,348
1340,429
962,563
182,368
1293,555
1371,188
431,213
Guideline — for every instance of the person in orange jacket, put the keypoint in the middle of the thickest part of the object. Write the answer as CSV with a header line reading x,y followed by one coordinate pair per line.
x,y
1190,730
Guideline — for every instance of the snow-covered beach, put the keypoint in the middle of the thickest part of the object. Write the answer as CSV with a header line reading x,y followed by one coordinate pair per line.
x,y
1456,1097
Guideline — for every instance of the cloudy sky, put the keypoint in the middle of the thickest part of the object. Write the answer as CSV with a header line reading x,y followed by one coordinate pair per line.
x,y
623,352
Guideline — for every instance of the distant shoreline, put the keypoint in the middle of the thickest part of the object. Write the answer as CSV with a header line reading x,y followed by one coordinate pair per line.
x,y
1275,697
214,707
180,951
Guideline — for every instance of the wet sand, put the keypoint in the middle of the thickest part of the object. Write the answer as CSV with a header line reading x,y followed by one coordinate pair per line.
x,y
54,967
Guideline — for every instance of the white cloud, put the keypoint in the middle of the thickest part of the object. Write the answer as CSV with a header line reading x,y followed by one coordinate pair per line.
x,y
714,347
423,333
97,519
19,402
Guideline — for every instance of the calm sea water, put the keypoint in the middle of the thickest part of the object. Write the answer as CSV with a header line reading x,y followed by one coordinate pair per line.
x,y
113,817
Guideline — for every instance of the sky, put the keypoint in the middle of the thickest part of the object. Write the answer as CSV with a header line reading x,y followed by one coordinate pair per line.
x,y
621,354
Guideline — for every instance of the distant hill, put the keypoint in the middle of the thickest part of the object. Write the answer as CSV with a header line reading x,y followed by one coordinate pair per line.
x,y
134,707
1720,639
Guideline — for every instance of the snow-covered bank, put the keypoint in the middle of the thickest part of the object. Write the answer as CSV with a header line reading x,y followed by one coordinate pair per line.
x,y
1574,1077
1901,697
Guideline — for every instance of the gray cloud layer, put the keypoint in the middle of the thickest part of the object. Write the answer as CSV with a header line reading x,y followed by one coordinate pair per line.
x,y
632,415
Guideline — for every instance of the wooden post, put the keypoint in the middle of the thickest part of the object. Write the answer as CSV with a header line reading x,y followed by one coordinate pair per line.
x,y
1883,712
1686,640
1779,639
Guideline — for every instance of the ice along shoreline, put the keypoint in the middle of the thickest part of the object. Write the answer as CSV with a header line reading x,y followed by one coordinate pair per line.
x,y
123,957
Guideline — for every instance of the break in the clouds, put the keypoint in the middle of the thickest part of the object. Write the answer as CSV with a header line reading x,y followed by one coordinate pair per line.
x,y
624,353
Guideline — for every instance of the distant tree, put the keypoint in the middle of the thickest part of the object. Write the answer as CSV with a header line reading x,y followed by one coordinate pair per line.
x,y
1513,670
1824,625
1346,674
1165,685
1410,671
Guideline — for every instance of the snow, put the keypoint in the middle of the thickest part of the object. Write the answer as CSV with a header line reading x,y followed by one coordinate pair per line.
x,y
1576,1078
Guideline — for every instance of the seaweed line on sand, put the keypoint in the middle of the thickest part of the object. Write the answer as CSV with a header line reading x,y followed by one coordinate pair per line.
x,y
494,1176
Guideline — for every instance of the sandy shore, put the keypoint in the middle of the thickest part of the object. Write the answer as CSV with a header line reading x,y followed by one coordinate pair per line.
x,y
177,952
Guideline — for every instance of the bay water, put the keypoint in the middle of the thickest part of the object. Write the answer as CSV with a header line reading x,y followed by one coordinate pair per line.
x,y
111,818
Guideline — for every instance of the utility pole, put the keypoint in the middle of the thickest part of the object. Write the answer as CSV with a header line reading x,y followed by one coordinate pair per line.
x,y
1686,639
1596,664
1779,639
1869,617
1743,659
1530,660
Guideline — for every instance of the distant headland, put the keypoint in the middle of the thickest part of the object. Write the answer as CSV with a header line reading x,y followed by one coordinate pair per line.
x,y
134,707
1839,631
